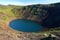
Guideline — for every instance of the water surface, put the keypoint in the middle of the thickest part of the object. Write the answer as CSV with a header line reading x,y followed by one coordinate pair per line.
x,y
25,25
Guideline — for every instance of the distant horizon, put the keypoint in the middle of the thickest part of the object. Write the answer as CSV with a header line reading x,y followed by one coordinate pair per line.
x,y
25,5
27,2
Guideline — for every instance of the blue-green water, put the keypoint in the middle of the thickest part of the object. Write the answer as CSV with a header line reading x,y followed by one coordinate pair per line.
x,y
25,25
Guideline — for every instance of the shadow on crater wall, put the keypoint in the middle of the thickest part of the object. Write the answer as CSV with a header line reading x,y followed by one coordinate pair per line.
x,y
53,19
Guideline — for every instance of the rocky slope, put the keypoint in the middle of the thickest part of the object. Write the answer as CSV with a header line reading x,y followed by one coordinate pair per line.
x,y
47,15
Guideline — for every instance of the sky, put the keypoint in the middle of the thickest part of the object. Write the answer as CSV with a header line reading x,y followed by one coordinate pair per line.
x,y
27,2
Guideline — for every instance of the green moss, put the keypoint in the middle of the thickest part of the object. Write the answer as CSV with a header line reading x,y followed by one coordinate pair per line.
x,y
1,28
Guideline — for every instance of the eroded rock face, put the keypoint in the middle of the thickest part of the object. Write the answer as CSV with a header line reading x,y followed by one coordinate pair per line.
x,y
32,12
47,15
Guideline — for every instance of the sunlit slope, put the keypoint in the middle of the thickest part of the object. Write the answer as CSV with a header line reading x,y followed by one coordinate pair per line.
x,y
6,12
